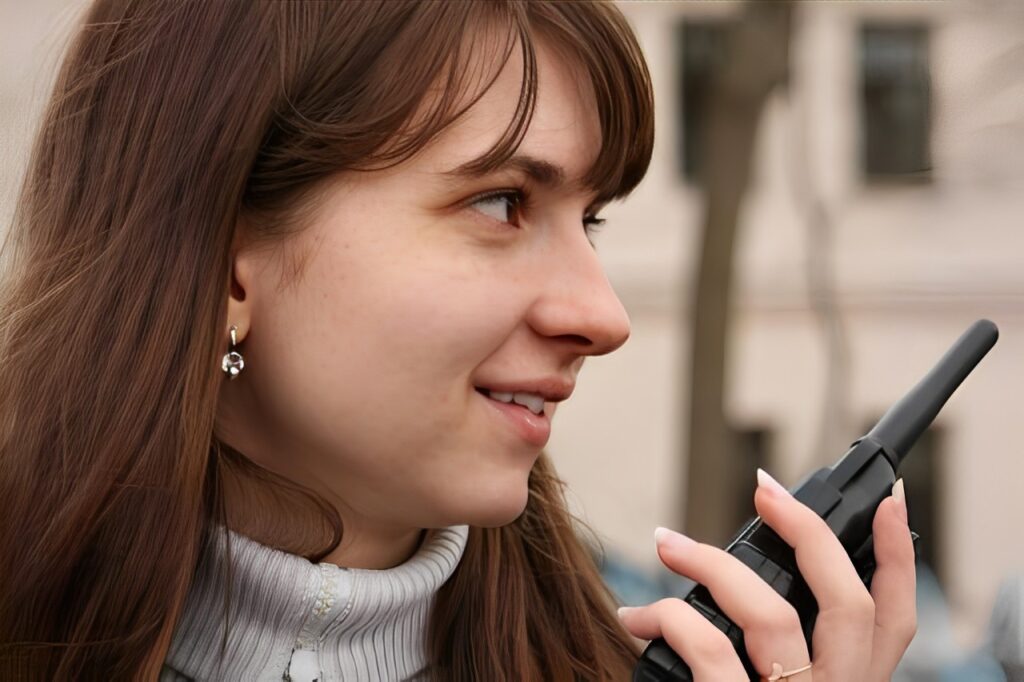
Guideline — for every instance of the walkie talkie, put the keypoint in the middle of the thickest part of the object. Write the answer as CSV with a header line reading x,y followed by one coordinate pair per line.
x,y
846,495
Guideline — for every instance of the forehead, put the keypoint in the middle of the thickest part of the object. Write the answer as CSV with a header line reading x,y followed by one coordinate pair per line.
x,y
560,144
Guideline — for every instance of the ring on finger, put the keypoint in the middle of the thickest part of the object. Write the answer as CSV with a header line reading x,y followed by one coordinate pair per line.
x,y
779,674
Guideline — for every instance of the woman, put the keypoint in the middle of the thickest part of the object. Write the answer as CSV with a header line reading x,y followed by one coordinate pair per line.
x,y
294,290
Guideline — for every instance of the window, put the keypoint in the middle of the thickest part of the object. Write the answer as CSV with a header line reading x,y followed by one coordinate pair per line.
x,y
895,102
701,49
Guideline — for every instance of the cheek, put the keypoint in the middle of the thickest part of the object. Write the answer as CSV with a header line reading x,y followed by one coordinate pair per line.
x,y
431,321
359,348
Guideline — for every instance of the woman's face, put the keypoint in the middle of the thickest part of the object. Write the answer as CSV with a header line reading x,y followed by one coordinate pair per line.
x,y
362,377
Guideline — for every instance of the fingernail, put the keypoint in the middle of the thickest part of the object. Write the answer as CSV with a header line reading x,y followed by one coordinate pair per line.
x,y
624,610
770,484
900,496
670,538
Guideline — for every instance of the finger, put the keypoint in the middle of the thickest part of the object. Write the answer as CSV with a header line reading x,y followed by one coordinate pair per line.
x,y
705,648
770,624
845,625
893,586
821,558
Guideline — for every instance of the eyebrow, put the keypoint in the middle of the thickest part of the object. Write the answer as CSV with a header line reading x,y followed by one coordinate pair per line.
x,y
540,171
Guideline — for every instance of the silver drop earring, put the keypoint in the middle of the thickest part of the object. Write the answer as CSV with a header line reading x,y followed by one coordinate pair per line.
x,y
232,363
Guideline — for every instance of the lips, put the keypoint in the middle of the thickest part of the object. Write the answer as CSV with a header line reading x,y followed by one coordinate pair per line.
x,y
534,429
552,389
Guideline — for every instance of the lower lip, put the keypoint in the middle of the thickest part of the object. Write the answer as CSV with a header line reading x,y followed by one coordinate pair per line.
x,y
535,429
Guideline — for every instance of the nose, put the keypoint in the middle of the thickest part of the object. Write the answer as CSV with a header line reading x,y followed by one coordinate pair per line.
x,y
576,302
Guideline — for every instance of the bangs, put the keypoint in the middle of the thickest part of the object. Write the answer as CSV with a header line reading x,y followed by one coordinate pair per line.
x,y
599,40
594,37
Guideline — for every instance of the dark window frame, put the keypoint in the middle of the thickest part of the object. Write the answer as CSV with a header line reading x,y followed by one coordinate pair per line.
x,y
895,103
700,53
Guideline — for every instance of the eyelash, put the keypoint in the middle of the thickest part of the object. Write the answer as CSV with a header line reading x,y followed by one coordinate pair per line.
x,y
520,198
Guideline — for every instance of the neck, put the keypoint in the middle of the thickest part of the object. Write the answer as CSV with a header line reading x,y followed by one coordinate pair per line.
x,y
274,514
377,548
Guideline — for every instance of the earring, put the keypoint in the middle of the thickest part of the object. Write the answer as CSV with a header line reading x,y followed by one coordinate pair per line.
x,y
232,363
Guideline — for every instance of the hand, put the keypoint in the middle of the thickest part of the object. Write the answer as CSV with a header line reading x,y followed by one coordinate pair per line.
x,y
858,636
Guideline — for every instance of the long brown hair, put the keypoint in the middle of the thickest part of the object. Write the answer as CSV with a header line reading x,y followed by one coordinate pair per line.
x,y
171,124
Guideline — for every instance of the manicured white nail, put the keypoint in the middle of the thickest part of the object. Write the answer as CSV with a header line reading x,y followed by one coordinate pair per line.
x,y
670,538
900,496
770,484
624,610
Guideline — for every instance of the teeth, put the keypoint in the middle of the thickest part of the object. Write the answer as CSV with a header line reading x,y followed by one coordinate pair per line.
x,y
530,401
534,403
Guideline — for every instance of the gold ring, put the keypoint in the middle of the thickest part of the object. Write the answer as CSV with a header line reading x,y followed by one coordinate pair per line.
x,y
778,674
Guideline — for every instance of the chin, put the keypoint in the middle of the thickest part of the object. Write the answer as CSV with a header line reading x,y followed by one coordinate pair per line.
x,y
496,520
494,510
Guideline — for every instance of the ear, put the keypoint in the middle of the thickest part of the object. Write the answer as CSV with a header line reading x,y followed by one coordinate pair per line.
x,y
241,272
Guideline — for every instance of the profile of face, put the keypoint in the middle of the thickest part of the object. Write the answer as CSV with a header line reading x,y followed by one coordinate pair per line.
x,y
363,378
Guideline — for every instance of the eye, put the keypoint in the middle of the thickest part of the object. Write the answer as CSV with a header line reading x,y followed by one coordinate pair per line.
x,y
506,206
501,205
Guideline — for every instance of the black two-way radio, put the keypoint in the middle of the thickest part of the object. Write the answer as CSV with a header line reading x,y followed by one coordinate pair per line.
x,y
846,495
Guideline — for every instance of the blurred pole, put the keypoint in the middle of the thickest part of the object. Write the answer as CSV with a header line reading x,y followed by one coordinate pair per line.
x,y
757,60
835,430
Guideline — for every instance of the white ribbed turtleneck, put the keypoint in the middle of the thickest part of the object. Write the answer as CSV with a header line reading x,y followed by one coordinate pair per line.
x,y
295,620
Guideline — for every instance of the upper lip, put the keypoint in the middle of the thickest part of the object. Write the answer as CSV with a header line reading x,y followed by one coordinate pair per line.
x,y
552,389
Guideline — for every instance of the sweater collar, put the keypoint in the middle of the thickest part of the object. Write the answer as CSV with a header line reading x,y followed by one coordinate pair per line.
x,y
293,619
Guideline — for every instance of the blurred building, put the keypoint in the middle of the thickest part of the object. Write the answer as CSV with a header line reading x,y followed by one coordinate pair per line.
x,y
885,215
